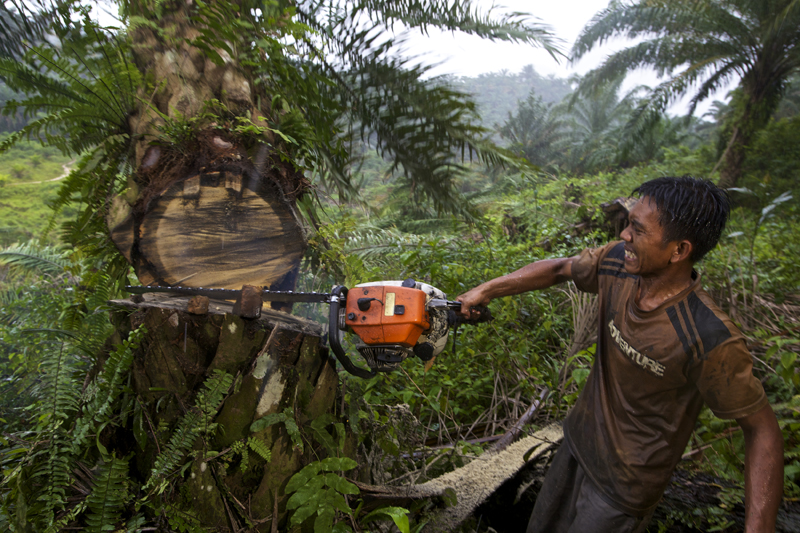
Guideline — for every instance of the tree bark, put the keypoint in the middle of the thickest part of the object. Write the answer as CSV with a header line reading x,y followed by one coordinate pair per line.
x,y
277,362
732,160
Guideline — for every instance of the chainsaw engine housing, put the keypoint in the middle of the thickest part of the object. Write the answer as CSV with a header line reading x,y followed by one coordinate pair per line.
x,y
393,321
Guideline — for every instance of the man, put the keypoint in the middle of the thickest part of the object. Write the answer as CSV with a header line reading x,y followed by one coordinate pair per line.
x,y
663,349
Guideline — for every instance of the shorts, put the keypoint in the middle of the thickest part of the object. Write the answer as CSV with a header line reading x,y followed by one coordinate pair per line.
x,y
570,503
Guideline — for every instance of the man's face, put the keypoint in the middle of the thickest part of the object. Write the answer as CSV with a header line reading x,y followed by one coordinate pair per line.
x,y
645,251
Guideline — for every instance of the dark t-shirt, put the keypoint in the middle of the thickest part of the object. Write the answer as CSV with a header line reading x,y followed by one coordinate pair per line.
x,y
651,374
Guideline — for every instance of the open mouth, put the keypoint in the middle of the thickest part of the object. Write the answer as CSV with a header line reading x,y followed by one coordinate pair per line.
x,y
629,255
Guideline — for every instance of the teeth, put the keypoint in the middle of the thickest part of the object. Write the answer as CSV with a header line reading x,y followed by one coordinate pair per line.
x,y
629,255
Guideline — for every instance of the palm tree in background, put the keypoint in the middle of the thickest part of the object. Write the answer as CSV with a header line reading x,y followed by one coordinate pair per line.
x,y
701,46
534,132
595,120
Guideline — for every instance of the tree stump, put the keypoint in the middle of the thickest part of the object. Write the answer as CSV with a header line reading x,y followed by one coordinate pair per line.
x,y
277,364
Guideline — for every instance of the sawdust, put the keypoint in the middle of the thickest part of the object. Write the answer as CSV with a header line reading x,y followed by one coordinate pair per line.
x,y
476,481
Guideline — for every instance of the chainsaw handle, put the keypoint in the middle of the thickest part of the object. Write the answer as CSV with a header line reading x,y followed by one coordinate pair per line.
x,y
338,295
456,319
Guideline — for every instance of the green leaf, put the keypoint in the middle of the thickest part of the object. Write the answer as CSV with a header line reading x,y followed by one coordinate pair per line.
x,y
338,501
301,513
450,498
334,464
139,431
788,359
300,498
340,484
321,434
302,477
388,446
266,421
324,521
398,515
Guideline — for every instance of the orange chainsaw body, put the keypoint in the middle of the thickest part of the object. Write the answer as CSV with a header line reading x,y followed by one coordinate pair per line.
x,y
385,314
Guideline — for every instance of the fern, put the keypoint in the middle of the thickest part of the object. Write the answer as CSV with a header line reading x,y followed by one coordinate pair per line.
x,y
240,447
109,496
102,394
59,396
287,418
260,448
55,474
191,425
64,521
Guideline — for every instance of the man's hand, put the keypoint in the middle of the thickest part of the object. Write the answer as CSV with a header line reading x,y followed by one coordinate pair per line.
x,y
472,298
763,470
538,275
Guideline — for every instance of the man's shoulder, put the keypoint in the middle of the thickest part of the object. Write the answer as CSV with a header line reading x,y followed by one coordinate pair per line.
x,y
612,261
700,324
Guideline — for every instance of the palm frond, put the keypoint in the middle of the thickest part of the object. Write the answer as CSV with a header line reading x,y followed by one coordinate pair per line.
x,y
30,257
459,15
22,22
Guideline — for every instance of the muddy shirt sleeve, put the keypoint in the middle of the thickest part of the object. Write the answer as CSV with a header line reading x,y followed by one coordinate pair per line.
x,y
727,383
586,266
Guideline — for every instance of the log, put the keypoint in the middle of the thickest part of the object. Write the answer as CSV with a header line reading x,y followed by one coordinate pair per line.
x,y
458,493
616,212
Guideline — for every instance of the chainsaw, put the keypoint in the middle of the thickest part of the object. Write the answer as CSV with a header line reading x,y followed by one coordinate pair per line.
x,y
393,320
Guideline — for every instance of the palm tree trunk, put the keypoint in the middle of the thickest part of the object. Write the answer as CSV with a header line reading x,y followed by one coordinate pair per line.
x,y
277,363
760,102
205,206
730,161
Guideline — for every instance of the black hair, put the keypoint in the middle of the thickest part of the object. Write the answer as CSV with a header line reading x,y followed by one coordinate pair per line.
x,y
689,208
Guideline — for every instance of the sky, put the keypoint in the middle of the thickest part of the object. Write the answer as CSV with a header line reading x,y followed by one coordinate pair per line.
x,y
465,55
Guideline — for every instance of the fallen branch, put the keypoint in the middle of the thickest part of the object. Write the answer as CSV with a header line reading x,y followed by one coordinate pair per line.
x,y
516,429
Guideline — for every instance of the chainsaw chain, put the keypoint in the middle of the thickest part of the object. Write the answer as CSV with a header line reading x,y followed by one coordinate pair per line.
x,y
228,294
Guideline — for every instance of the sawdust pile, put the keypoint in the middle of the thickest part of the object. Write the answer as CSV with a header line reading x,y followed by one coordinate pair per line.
x,y
476,481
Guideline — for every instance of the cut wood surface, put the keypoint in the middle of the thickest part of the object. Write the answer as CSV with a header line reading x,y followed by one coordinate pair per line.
x,y
219,229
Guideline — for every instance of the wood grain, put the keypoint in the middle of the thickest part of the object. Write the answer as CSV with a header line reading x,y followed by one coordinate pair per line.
x,y
216,230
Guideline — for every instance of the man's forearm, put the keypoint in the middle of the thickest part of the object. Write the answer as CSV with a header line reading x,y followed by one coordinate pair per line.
x,y
535,276
538,275
763,470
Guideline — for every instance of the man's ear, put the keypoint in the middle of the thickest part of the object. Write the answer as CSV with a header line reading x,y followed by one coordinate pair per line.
x,y
682,251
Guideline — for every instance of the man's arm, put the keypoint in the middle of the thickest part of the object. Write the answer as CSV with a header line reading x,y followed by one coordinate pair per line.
x,y
763,469
538,275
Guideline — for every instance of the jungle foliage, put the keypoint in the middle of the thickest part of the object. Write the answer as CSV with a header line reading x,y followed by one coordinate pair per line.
x,y
65,388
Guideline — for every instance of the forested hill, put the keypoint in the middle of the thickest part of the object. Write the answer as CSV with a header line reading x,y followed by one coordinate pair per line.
x,y
498,93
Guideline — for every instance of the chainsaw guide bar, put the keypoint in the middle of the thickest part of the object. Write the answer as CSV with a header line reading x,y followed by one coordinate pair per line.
x,y
232,294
